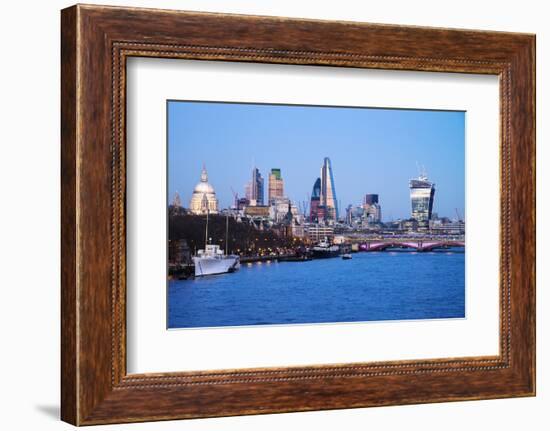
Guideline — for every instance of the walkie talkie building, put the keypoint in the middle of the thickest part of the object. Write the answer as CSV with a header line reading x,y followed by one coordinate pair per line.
x,y
422,198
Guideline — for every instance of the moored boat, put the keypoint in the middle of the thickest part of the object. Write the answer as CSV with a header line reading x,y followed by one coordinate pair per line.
x,y
325,250
212,261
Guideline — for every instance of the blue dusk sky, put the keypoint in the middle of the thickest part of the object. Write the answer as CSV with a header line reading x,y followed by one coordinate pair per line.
x,y
371,150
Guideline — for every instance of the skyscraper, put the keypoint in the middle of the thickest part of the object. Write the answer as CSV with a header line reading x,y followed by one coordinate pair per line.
x,y
248,191
255,189
315,201
422,199
328,191
372,208
276,185
370,199
373,213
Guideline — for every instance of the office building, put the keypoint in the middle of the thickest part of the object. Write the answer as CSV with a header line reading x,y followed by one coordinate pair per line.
x,y
254,190
422,199
373,212
316,233
328,191
276,185
370,199
315,201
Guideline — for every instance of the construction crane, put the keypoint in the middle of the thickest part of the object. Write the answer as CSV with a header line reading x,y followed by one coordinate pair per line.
x,y
306,207
458,215
235,198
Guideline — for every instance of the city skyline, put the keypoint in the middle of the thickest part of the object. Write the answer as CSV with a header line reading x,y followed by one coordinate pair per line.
x,y
231,139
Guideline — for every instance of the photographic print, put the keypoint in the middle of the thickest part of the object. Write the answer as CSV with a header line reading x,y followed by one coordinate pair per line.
x,y
298,214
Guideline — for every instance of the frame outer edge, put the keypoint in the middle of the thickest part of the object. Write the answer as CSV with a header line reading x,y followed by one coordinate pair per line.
x,y
532,198
69,196
86,396
523,248
533,54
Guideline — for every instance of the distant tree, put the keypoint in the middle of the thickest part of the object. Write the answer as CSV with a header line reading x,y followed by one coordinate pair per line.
x,y
243,237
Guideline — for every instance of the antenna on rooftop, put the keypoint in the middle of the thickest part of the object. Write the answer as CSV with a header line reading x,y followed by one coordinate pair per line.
x,y
421,170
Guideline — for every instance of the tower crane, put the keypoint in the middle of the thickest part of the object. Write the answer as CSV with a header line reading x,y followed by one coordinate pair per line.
x,y
235,198
458,215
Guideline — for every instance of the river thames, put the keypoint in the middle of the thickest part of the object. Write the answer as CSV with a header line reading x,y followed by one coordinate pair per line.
x,y
390,285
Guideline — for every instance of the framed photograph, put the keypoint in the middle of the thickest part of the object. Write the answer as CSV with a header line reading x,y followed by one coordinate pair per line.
x,y
317,251
266,215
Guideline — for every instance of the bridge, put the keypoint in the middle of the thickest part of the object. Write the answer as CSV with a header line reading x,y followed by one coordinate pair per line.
x,y
414,244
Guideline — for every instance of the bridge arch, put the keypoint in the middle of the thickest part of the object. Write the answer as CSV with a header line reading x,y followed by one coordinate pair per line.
x,y
420,245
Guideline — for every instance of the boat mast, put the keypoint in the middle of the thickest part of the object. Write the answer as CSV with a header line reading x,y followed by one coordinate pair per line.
x,y
226,232
206,233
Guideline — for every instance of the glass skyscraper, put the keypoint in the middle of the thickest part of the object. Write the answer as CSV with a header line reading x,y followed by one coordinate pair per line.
x,y
422,198
255,189
315,201
328,191
370,199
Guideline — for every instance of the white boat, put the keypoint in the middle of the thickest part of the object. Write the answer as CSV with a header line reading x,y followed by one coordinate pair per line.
x,y
212,261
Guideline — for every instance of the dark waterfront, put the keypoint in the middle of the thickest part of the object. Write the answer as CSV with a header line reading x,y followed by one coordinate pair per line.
x,y
390,285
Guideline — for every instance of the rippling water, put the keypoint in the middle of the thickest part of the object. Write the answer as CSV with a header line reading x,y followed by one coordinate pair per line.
x,y
372,286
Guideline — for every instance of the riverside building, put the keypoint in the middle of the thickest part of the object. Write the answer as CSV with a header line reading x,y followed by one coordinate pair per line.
x,y
316,233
